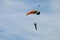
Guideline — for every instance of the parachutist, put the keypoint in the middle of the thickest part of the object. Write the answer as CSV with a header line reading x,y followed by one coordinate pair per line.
x,y
35,24
34,12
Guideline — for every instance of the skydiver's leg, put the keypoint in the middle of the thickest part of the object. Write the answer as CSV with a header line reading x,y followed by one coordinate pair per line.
x,y
35,24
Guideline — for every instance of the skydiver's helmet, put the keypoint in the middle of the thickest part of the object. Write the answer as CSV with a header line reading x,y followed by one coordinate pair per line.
x,y
38,13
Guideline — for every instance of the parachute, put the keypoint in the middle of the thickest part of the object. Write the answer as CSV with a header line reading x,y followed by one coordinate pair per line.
x,y
33,12
36,13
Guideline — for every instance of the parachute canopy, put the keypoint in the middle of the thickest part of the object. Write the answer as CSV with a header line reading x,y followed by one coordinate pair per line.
x,y
33,12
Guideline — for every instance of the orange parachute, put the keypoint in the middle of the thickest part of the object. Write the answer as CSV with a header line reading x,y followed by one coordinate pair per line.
x,y
33,12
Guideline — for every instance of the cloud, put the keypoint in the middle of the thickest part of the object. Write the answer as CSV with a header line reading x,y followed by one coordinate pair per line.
x,y
53,21
15,25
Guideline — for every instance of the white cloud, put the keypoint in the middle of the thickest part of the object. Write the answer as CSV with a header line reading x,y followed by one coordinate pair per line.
x,y
22,26
54,21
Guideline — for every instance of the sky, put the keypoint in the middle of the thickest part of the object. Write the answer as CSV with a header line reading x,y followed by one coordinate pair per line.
x,y
15,25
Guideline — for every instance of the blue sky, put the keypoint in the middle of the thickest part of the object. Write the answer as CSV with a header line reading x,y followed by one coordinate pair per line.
x,y
15,25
